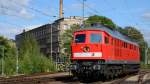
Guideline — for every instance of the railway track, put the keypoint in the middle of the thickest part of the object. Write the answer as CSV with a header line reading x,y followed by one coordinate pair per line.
x,y
136,78
31,79
65,78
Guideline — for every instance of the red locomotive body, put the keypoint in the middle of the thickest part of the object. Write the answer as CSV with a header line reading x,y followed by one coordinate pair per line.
x,y
107,48
96,48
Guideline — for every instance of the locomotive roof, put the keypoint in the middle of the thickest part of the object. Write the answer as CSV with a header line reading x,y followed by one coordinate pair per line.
x,y
113,33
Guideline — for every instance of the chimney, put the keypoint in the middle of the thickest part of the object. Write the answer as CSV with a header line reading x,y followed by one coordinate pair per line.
x,y
61,9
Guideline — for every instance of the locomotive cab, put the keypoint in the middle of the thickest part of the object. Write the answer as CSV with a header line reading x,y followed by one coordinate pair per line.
x,y
87,44
87,53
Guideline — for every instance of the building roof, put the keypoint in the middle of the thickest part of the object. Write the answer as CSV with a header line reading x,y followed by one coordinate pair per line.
x,y
71,18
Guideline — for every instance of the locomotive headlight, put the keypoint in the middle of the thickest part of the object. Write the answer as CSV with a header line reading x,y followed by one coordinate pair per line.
x,y
86,49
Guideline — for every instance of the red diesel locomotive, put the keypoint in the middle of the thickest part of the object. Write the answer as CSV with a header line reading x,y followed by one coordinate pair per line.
x,y
100,52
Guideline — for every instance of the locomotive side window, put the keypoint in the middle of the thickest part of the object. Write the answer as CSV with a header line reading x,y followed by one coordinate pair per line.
x,y
135,47
106,40
115,42
95,38
130,46
126,45
80,38
112,41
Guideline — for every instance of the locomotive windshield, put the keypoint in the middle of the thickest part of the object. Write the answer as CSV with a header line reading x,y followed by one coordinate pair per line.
x,y
95,38
80,38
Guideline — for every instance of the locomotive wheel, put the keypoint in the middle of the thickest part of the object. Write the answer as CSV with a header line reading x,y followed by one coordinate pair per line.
x,y
107,76
112,74
102,77
116,74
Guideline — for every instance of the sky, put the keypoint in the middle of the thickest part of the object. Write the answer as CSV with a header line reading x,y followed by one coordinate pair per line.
x,y
16,15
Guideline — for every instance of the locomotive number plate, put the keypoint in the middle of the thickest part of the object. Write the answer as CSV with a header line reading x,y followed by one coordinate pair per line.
x,y
88,54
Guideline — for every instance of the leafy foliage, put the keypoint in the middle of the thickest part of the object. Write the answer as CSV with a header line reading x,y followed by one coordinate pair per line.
x,y
10,65
102,20
67,37
31,60
133,33
9,56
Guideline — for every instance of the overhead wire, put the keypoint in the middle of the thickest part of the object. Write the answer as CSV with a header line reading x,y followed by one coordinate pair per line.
x,y
92,9
113,9
24,6
127,7
138,25
108,4
14,14
129,16
33,9
16,11
13,24
5,13
4,7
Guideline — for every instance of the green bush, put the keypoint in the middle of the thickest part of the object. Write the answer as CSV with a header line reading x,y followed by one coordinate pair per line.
x,y
9,66
31,60
36,64
145,66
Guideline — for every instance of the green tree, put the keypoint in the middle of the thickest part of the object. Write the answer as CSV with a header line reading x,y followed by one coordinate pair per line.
x,y
9,56
133,33
30,58
67,37
148,55
102,20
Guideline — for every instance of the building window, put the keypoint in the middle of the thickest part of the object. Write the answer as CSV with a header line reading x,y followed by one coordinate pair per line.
x,y
66,26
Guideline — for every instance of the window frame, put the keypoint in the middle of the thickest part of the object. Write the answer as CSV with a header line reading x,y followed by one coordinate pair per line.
x,y
98,34
80,34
